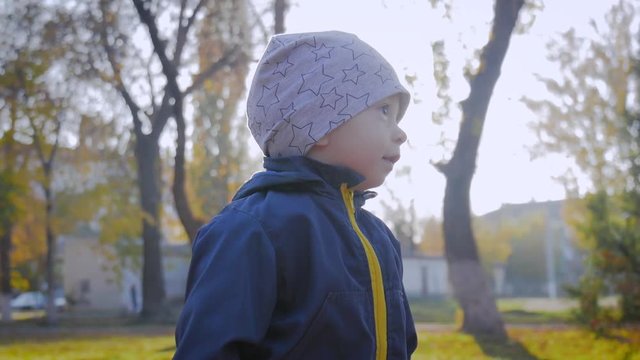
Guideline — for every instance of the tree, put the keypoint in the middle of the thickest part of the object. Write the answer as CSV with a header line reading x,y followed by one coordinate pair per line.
x,y
47,113
584,119
594,118
38,100
10,190
46,152
117,62
176,96
470,286
40,108
219,164
612,227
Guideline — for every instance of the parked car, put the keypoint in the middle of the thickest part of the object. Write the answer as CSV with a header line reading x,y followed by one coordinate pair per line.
x,y
31,300
34,300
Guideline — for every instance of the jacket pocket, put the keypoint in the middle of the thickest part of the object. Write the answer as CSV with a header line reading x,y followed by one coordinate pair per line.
x,y
343,328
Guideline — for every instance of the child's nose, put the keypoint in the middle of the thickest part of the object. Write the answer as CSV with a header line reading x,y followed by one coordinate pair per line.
x,y
400,135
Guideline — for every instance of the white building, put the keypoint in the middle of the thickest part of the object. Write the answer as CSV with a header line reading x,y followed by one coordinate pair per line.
x,y
425,276
93,278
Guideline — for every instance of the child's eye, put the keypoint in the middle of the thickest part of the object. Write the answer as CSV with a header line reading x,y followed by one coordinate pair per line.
x,y
385,109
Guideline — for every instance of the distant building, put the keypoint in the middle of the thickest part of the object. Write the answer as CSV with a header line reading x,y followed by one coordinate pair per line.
x,y
428,277
93,278
545,258
425,276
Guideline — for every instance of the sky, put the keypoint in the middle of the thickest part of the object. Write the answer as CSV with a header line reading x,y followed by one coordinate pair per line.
x,y
403,31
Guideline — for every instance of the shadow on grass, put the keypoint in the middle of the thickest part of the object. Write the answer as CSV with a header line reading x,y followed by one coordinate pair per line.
x,y
614,337
171,349
509,349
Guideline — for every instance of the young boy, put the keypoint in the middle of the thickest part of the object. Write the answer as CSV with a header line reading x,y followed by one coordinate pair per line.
x,y
294,268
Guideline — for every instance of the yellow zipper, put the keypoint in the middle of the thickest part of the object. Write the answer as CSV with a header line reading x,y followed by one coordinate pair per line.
x,y
377,285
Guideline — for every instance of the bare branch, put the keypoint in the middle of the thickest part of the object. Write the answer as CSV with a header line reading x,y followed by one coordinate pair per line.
x,y
228,59
279,9
168,67
183,30
152,90
36,141
54,149
117,75
259,23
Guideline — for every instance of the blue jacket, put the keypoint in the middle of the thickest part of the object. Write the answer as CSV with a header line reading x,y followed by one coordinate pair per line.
x,y
294,268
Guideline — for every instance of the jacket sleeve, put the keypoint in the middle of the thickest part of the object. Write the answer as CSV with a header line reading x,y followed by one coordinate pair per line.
x,y
231,291
412,336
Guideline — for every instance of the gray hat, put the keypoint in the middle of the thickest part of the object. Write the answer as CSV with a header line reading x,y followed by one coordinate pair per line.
x,y
308,84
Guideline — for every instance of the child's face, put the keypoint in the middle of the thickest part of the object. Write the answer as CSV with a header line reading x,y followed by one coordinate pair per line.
x,y
369,143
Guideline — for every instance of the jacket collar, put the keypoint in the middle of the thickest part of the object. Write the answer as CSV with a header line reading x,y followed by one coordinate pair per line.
x,y
294,171
331,174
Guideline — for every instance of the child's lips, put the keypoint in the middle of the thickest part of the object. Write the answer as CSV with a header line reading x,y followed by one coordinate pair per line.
x,y
392,158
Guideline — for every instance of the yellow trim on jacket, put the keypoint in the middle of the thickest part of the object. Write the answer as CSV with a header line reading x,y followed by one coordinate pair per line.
x,y
377,284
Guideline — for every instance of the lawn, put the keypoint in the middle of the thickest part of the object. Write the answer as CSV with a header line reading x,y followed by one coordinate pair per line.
x,y
531,343
538,329
157,343
90,347
514,311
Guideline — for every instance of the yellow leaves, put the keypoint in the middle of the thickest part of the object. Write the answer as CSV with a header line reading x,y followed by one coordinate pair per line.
x,y
494,242
432,241
28,234
12,190
18,282
126,224
173,229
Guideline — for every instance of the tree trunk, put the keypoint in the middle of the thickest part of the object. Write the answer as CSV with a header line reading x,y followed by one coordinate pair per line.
x,y
189,221
279,7
170,68
5,240
5,272
52,315
153,293
468,279
471,288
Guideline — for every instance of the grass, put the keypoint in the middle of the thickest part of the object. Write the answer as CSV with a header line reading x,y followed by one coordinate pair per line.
x,y
514,311
537,330
91,347
527,343
531,343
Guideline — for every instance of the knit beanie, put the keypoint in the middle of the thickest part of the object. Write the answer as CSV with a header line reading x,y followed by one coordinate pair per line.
x,y
308,84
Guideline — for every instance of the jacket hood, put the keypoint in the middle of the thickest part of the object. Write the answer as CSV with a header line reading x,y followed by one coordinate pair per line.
x,y
300,173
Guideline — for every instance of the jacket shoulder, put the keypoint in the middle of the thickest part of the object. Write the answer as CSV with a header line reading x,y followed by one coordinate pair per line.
x,y
277,212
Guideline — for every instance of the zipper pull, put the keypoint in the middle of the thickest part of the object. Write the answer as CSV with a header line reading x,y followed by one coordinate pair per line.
x,y
348,196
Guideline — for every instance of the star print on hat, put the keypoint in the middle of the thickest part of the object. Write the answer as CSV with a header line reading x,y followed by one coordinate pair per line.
x,y
308,84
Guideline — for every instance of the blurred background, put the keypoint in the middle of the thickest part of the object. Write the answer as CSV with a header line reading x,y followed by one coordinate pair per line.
x,y
123,130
